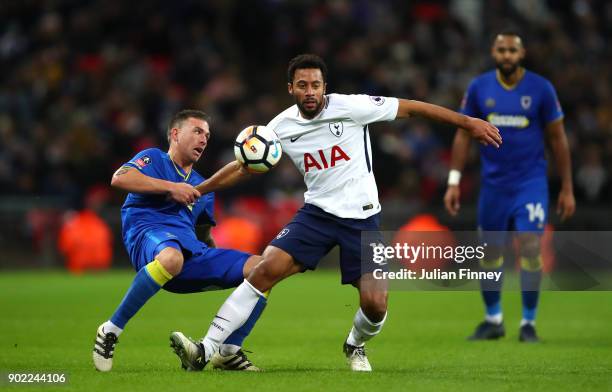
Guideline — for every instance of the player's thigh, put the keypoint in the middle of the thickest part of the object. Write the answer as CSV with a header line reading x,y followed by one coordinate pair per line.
x,y
494,220
307,238
531,207
494,209
530,216
356,252
150,250
212,270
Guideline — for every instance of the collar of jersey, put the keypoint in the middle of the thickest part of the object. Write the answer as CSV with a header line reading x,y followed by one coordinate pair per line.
x,y
179,170
507,86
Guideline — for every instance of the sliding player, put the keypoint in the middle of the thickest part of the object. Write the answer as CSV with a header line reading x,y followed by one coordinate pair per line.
x,y
159,219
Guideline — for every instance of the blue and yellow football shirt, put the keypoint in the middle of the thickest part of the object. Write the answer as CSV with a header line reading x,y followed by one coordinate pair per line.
x,y
146,215
521,112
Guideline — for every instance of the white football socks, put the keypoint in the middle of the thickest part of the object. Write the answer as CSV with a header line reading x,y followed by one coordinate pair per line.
x,y
496,319
108,326
232,315
363,329
525,322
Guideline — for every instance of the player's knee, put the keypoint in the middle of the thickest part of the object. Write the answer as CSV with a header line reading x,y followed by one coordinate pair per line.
x,y
171,259
274,267
531,264
530,247
490,263
493,256
251,262
265,275
374,305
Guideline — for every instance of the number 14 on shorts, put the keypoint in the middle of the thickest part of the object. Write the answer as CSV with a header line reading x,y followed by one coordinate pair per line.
x,y
535,212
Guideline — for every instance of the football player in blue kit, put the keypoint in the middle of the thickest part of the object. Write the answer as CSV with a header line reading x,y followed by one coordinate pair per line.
x,y
159,220
514,189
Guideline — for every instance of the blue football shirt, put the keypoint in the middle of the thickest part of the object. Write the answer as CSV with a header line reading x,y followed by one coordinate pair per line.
x,y
148,213
521,113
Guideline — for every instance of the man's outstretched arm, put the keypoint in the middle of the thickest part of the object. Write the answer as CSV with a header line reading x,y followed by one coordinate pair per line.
x,y
227,176
481,130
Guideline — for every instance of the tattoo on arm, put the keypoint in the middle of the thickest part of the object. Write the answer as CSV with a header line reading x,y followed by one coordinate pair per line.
x,y
122,171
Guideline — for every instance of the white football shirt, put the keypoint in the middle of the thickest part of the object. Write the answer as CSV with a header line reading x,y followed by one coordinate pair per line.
x,y
333,152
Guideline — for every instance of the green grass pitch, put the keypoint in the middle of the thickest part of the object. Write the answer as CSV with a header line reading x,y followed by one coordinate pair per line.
x,y
49,320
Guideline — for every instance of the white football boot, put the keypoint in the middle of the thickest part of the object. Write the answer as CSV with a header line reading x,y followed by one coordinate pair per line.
x,y
238,361
190,353
104,349
357,358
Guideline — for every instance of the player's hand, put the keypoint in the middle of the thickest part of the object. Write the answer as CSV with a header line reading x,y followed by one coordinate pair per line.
x,y
451,199
483,131
566,204
183,193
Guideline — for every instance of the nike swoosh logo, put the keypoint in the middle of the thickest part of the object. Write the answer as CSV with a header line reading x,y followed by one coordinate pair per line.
x,y
219,317
293,139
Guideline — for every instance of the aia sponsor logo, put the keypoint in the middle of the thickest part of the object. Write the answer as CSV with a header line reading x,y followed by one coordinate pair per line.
x,y
324,159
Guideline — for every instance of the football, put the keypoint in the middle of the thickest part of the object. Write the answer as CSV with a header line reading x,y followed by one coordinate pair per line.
x,y
258,148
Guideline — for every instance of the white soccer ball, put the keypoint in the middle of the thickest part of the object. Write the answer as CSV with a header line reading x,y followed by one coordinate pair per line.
x,y
258,148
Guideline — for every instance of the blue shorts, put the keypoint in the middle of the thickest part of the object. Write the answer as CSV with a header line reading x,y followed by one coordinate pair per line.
x,y
313,233
203,270
523,209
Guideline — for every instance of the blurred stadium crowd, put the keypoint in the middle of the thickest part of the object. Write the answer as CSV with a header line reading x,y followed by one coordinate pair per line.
x,y
87,84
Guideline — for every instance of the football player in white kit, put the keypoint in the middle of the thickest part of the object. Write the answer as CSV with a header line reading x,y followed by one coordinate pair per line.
x,y
327,137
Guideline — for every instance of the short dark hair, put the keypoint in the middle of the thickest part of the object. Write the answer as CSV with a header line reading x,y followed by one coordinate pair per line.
x,y
508,33
303,61
178,118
